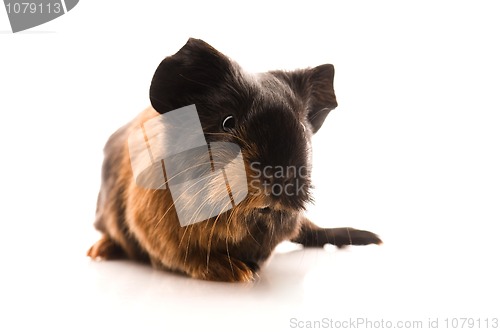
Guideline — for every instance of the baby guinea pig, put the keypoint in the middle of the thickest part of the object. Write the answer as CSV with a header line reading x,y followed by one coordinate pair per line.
x,y
271,118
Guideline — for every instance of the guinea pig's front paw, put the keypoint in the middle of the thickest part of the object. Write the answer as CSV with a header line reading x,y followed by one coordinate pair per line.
x,y
354,237
313,236
222,268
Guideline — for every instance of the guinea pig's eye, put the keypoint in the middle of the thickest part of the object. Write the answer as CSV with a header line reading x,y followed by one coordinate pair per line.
x,y
228,123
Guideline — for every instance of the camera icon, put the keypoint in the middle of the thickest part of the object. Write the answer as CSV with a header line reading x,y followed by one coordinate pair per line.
x,y
170,152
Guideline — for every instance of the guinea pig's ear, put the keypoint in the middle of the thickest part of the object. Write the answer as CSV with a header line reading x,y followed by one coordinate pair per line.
x,y
194,70
315,86
322,97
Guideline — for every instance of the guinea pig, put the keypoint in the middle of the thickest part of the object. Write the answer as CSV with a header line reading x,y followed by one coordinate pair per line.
x,y
271,118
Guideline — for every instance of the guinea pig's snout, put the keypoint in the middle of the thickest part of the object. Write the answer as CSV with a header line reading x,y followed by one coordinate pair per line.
x,y
280,187
279,160
280,180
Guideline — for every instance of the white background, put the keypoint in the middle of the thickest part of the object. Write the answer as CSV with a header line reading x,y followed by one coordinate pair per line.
x,y
411,153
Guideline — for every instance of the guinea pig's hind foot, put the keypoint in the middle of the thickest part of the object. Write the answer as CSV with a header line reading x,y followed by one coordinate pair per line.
x,y
105,248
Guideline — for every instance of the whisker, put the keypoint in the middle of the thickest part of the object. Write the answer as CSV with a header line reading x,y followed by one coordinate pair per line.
x,y
182,172
187,246
210,238
198,211
228,255
176,200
